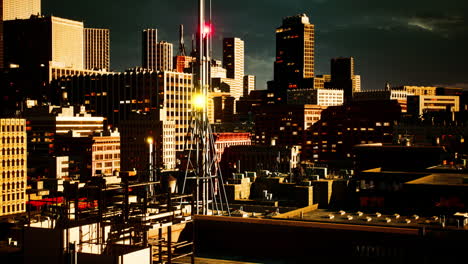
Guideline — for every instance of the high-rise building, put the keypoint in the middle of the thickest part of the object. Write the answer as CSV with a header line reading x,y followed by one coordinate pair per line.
x,y
322,97
233,58
233,62
249,84
44,41
149,41
294,64
156,55
12,166
164,61
342,74
20,9
97,49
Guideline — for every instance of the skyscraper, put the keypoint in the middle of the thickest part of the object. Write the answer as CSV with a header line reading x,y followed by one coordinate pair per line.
x,y
342,74
233,62
156,55
164,61
40,40
294,64
20,9
149,41
233,58
96,49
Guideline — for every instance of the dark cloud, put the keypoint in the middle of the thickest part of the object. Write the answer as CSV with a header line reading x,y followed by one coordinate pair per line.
x,y
401,41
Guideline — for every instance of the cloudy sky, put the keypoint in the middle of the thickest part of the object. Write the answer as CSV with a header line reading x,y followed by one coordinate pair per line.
x,y
414,42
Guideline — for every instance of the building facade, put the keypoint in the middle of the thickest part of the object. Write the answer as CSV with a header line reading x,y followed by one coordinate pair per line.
x,y
322,97
20,9
97,49
43,41
420,104
13,166
149,49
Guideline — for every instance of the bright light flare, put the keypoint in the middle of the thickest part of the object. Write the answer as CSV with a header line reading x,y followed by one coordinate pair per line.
x,y
207,30
199,101
149,140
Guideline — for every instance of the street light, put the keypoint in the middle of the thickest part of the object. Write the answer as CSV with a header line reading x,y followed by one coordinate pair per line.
x,y
149,140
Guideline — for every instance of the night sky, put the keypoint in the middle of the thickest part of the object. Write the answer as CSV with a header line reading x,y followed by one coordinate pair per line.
x,y
405,42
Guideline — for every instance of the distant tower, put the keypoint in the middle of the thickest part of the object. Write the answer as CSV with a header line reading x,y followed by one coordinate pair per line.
x,y
181,41
342,74
294,64
233,58
96,49
150,38
164,51
387,86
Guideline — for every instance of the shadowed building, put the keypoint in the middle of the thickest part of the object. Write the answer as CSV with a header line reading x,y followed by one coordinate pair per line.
x,y
294,64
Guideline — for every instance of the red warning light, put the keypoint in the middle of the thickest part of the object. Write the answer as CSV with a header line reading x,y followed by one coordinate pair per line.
x,y
207,30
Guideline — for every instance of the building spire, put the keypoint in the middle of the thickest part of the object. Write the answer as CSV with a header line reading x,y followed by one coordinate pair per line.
x,y
181,41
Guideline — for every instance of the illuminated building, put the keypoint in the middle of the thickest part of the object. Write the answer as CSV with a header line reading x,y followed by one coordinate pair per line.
x,y
183,63
356,83
233,58
284,125
332,138
164,52
393,94
225,140
43,41
156,55
294,63
13,166
20,9
220,107
116,96
93,155
322,97
97,49
249,84
217,70
135,133
419,104
149,41
45,123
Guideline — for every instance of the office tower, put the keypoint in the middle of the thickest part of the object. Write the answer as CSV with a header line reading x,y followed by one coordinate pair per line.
x,y
249,84
233,62
342,73
96,49
12,166
217,69
294,64
20,9
149,41
233,58
43,42
164,56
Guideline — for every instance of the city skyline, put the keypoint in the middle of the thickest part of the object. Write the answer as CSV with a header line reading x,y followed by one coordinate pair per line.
x,y
415,45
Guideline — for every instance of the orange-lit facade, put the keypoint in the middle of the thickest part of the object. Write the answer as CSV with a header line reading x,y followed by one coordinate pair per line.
x,y
12,166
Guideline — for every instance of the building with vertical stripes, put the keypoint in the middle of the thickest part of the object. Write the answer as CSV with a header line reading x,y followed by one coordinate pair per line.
x,y
97,49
